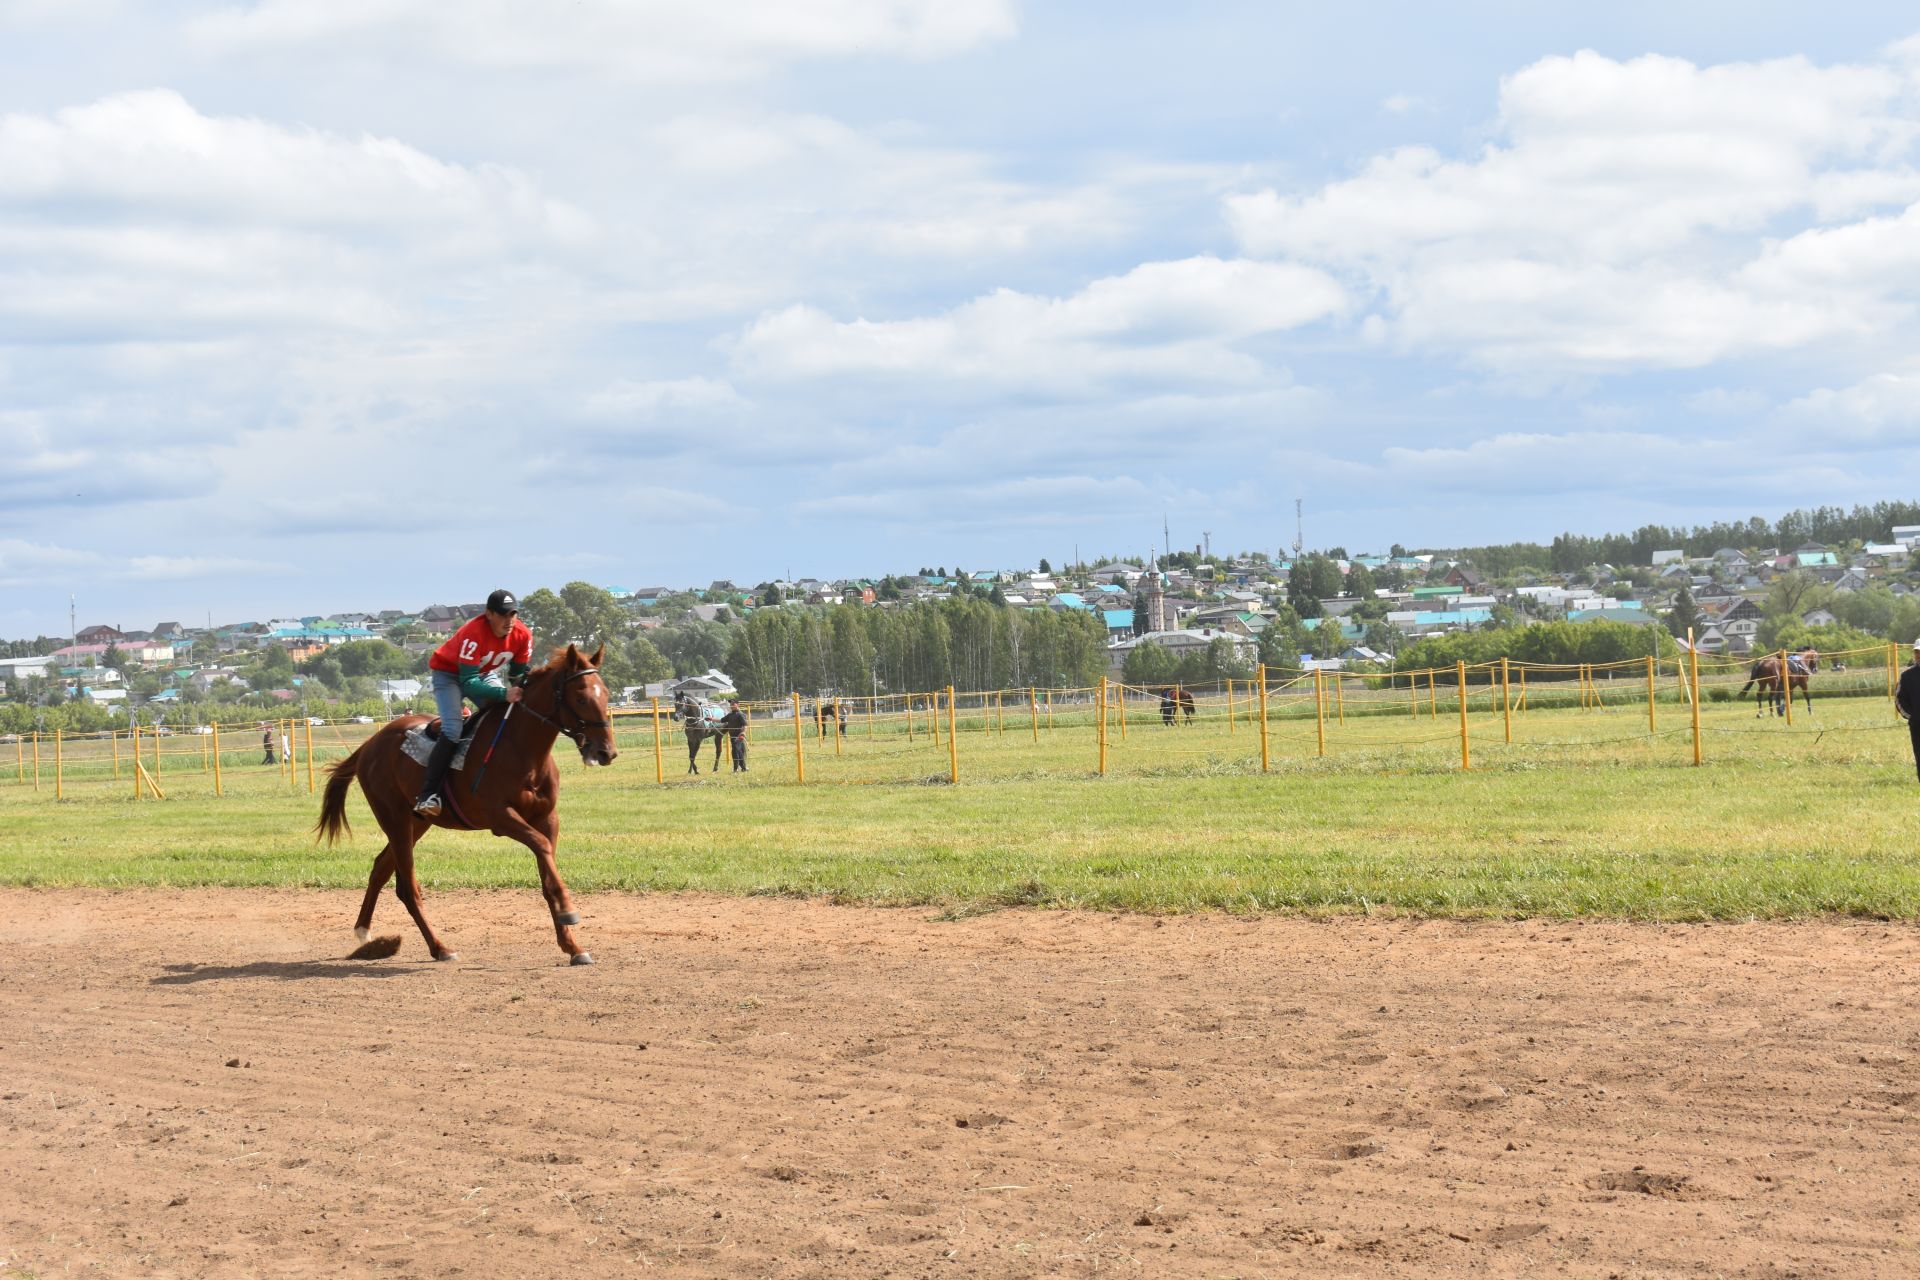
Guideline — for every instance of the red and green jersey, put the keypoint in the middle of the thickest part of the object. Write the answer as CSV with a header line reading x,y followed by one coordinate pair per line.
x,y
476,656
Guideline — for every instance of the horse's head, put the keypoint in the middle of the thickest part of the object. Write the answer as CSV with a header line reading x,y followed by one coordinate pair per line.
x,y
577,705
1810,656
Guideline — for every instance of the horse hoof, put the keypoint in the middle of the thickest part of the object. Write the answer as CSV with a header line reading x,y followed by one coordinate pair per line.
x,y
583,957
448,955
359,934
567,917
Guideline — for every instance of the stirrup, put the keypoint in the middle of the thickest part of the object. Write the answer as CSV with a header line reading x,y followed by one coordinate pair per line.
x,y
428,807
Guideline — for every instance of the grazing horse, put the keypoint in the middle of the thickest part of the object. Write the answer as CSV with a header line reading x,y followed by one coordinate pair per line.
x,y
510,789
1777,686
1174,700
825,713
699,728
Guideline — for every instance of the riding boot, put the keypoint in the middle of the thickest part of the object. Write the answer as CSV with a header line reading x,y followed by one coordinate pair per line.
x,y
428,805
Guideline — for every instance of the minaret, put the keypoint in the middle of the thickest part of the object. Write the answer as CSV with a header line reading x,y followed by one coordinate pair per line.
x,y
1154,588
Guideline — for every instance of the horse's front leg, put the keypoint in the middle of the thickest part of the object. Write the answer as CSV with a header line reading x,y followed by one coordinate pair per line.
x,y
541,836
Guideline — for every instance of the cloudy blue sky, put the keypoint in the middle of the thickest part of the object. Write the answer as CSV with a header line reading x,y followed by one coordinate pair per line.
x,y
308,305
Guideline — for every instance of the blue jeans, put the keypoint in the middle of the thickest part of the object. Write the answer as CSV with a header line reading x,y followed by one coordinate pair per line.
x,y
450,702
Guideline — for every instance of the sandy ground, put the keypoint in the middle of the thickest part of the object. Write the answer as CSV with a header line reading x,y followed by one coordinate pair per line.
x,y
192,1087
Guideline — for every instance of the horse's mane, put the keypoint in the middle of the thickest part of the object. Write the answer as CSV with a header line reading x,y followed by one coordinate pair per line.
x,y
557,661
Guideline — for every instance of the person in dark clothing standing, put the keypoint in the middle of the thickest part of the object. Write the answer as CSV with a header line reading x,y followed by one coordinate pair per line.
x,y
734,723
266,743
1906,700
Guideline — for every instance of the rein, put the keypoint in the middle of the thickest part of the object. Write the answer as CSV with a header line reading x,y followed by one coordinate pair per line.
x,y
581,723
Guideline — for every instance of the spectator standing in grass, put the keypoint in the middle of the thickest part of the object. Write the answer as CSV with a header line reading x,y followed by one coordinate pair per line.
x,y
266,744
1906,700
735,724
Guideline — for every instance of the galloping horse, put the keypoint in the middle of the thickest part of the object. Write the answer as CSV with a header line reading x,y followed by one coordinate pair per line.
x,y
1174,700
1778,687
699,727
516,800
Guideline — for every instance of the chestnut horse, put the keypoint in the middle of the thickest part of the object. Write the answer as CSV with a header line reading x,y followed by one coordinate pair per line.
x,y
1778,688
508,786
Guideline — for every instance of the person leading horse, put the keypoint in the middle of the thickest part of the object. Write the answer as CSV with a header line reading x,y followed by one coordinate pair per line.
x,y
1777,681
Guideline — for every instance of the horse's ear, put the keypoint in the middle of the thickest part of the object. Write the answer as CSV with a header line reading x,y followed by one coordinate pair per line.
x,y
573,653
595,659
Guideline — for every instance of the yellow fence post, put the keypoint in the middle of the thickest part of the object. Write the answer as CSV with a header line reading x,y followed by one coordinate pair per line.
x,y
1890,676
20,758
835,729
114,734
1651,727
1100,724
1033,711
133,740
659,761
1433,697
1506,696
1460,674
1122,687
59,764
1265,760
799,752
999,713
1786,684
217,790
1320,707
953,742
1693,692
1049,711
1413,695
909,706
309,732
1340,697
1229,704
205,765
1523,688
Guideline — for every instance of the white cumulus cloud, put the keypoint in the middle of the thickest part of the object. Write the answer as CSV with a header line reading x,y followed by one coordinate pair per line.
x,y
1629,214
1161,320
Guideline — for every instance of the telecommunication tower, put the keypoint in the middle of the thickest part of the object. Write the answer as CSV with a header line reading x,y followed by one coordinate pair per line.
x,y
1299,531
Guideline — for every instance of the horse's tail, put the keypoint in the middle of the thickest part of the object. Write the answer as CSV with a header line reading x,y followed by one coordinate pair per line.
x,y
1752,675
333,803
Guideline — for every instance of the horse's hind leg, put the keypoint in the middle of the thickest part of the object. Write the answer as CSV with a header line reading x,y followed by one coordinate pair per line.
x,y
402,830
376,881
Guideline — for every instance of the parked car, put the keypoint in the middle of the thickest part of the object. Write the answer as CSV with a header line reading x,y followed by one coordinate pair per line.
x,y
363,719
315,721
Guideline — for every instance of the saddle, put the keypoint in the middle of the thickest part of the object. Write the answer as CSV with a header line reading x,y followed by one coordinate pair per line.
x,y
420,740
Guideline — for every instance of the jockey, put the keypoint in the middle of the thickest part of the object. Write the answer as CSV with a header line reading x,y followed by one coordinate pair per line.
x,y
469,665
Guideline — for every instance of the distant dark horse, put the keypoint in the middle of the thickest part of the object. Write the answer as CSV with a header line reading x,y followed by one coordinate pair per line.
x,y
1174,700
1777,687
514,798
693,718
830,712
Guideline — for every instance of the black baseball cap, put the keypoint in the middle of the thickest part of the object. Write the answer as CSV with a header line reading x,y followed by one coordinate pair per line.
x,y
502,601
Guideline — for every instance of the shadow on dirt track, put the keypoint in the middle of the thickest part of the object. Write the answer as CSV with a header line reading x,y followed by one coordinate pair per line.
x,y
284,970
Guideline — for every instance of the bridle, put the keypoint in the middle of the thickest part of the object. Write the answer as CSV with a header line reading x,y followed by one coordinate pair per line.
x,y
581,723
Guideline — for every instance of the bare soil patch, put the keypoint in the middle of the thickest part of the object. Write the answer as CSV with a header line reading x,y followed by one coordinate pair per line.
x,y
200,1084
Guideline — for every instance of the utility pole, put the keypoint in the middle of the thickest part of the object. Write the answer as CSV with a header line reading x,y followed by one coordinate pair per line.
x,y
1299,530
1166,537
73,625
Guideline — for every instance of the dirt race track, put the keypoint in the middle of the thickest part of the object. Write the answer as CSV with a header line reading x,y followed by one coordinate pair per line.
x,y
791,1089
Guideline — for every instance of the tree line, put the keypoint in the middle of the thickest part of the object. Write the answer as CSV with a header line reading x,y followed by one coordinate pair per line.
x,y
1571,552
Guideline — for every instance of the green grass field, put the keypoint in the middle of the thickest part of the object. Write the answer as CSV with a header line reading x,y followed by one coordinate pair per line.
x,y
1585,813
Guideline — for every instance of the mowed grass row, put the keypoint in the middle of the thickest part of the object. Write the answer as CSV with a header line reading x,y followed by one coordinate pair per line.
x,y
1586,813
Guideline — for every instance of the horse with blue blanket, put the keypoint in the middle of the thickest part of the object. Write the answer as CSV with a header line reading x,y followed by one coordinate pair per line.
x,y
1778,680
701,721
